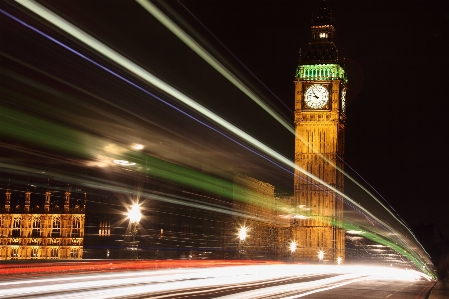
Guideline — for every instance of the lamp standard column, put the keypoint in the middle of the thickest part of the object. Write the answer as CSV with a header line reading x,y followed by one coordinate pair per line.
x,y
134,216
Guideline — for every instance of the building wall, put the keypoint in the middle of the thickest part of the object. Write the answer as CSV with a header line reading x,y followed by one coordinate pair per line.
x,y
35,233
262,214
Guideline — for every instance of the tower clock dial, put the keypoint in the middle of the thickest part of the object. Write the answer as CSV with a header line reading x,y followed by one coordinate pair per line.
x,y
316,96
343,100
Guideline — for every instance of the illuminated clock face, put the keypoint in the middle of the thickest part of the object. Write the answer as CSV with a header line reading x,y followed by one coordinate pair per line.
x,y
316,96
343,100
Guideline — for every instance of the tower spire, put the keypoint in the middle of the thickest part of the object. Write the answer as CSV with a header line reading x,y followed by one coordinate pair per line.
x,y
323,16
321,48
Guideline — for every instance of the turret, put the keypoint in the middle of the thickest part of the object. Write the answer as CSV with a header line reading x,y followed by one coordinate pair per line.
x,y
67,200
8,201
27,201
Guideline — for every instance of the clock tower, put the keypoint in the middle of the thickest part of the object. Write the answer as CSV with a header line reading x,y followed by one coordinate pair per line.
x,y
320,116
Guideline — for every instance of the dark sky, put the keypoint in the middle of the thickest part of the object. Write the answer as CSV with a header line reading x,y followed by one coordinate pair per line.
x,y
396,56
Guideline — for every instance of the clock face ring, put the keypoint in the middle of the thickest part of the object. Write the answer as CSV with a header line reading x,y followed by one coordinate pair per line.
x,y
316,96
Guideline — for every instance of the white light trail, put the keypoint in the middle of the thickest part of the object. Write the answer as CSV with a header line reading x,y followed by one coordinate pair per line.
x,y
139,71
192,44
187,281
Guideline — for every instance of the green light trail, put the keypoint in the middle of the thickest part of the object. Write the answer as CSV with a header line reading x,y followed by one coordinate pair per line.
x,y
26,128
56,137
137,70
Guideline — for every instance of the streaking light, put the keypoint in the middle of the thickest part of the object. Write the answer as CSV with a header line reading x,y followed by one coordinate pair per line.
x,y
165,87
354,232
137,146
192,44
336,72
124,163
119,59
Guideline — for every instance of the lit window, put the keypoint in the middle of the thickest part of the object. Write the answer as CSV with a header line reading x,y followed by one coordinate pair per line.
x,y
323,35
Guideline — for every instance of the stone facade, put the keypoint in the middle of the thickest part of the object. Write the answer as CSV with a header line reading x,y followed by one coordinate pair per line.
x,y
35,232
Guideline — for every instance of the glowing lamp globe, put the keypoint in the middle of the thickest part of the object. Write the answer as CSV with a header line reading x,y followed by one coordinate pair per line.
x,y
293,246
242,233
134,215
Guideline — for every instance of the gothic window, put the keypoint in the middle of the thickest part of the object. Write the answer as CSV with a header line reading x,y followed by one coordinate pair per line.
x,y
54,252
15,253
76,227
36,227
323,35
16,227
34,253
56,227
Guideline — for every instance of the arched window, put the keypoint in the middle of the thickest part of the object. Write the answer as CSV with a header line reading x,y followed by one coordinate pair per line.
x,y
56,227
16,227
36,227
76,227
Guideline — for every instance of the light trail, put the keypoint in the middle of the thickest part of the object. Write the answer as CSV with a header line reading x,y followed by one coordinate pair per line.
x,y
119,59
129,65
163,197
192,44
204,41
222,70
196,281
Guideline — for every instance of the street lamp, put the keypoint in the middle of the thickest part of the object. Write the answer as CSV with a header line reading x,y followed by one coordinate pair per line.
x,y
321,255
292,250
293,246
134,216
339,260
242,233
242,237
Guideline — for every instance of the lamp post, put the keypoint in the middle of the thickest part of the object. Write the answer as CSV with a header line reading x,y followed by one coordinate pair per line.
x,y
292,250
134,216
242,237
339,260
321,255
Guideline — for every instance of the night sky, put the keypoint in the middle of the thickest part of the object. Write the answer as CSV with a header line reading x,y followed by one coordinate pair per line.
x,y
396,56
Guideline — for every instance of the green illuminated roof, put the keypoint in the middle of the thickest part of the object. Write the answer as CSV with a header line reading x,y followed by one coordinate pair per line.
x,y
321,72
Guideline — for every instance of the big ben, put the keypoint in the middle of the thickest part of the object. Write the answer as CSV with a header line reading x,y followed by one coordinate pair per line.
x,y
320,115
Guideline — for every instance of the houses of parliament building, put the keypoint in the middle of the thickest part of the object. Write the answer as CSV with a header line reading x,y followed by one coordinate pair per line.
x,y
41,225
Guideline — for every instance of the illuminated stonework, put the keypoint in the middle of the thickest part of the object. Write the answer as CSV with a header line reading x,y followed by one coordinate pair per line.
x,y
263,217
53,232
319,148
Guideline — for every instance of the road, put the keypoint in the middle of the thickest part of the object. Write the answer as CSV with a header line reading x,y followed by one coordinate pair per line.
x,y
251,281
